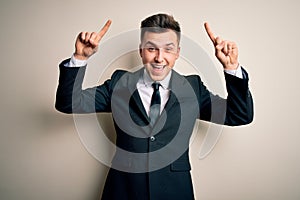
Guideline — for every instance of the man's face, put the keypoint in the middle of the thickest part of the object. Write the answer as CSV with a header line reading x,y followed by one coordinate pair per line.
x,y
159,51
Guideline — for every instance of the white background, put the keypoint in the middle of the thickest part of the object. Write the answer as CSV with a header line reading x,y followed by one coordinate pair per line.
x,y
40,152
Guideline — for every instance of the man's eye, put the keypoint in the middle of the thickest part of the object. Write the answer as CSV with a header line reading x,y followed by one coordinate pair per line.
x,y
151,49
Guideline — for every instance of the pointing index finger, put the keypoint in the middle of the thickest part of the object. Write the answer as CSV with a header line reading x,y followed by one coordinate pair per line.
x,y
104,28
210,33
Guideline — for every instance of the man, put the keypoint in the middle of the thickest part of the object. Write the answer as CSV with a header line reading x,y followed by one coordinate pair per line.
x,y
154,122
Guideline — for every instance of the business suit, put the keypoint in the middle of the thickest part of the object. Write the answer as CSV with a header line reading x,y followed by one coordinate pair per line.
x,y
153,162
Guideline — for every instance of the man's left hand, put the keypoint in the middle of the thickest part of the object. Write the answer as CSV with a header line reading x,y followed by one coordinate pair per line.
x,y
225,51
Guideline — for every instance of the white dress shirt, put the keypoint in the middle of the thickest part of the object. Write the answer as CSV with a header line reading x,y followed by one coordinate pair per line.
x,y
145,89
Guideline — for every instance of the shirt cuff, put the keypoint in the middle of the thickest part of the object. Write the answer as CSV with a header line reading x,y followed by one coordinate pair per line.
x,y
235,72
75,62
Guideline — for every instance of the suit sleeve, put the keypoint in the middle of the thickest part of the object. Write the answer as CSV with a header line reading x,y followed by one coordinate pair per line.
x,y
235,110
71,98
239,100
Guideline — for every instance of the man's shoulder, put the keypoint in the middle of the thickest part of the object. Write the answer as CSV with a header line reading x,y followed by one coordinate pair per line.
x,y
191,78
118,73
187,76
125,78
194,80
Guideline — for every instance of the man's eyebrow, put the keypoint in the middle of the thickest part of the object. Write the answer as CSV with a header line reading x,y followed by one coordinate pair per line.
x,y
153,44
150,43
170,44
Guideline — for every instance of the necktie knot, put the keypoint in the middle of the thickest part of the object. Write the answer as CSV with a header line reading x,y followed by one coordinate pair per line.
x,y
155,85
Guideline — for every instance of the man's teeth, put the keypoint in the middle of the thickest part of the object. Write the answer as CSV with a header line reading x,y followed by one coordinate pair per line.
x,y
158,66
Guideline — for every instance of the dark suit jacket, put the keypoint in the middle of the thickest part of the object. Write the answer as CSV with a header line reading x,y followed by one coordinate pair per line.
x,y
153,162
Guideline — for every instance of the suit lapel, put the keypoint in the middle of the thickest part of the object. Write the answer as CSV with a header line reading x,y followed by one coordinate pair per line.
x,y
177,82
136,103
175,85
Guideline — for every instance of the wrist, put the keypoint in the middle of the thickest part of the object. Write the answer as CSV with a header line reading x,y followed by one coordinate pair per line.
x,y
235,72
79,56
74,62
231,66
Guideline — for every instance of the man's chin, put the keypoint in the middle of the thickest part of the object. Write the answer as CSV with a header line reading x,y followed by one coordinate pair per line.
x,y
158,74
157,77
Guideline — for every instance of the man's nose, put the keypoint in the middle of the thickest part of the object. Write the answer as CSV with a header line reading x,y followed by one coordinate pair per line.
x,y
159,55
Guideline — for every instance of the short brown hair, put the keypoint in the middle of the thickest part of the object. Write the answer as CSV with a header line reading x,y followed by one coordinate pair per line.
x,y
160,23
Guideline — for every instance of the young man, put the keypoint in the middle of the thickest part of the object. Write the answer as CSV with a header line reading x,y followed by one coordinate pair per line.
x,y
154,122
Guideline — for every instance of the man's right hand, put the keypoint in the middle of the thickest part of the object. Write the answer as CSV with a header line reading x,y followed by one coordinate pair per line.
x,y
87,42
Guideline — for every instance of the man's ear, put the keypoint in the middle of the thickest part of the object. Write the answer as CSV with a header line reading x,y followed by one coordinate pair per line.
x,y
140,50
178,53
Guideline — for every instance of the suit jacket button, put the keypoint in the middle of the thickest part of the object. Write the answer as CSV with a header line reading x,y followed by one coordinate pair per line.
x,y
152,138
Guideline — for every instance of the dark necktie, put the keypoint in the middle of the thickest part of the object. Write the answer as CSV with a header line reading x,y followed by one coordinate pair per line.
x,y
155,104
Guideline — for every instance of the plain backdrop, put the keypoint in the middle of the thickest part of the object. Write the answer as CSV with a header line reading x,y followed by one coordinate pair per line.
x,y
41,154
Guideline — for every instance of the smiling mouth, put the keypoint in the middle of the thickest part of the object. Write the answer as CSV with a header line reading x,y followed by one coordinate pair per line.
x,y
158,67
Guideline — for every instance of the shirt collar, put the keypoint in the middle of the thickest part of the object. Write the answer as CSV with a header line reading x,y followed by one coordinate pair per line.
x,y
164,83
